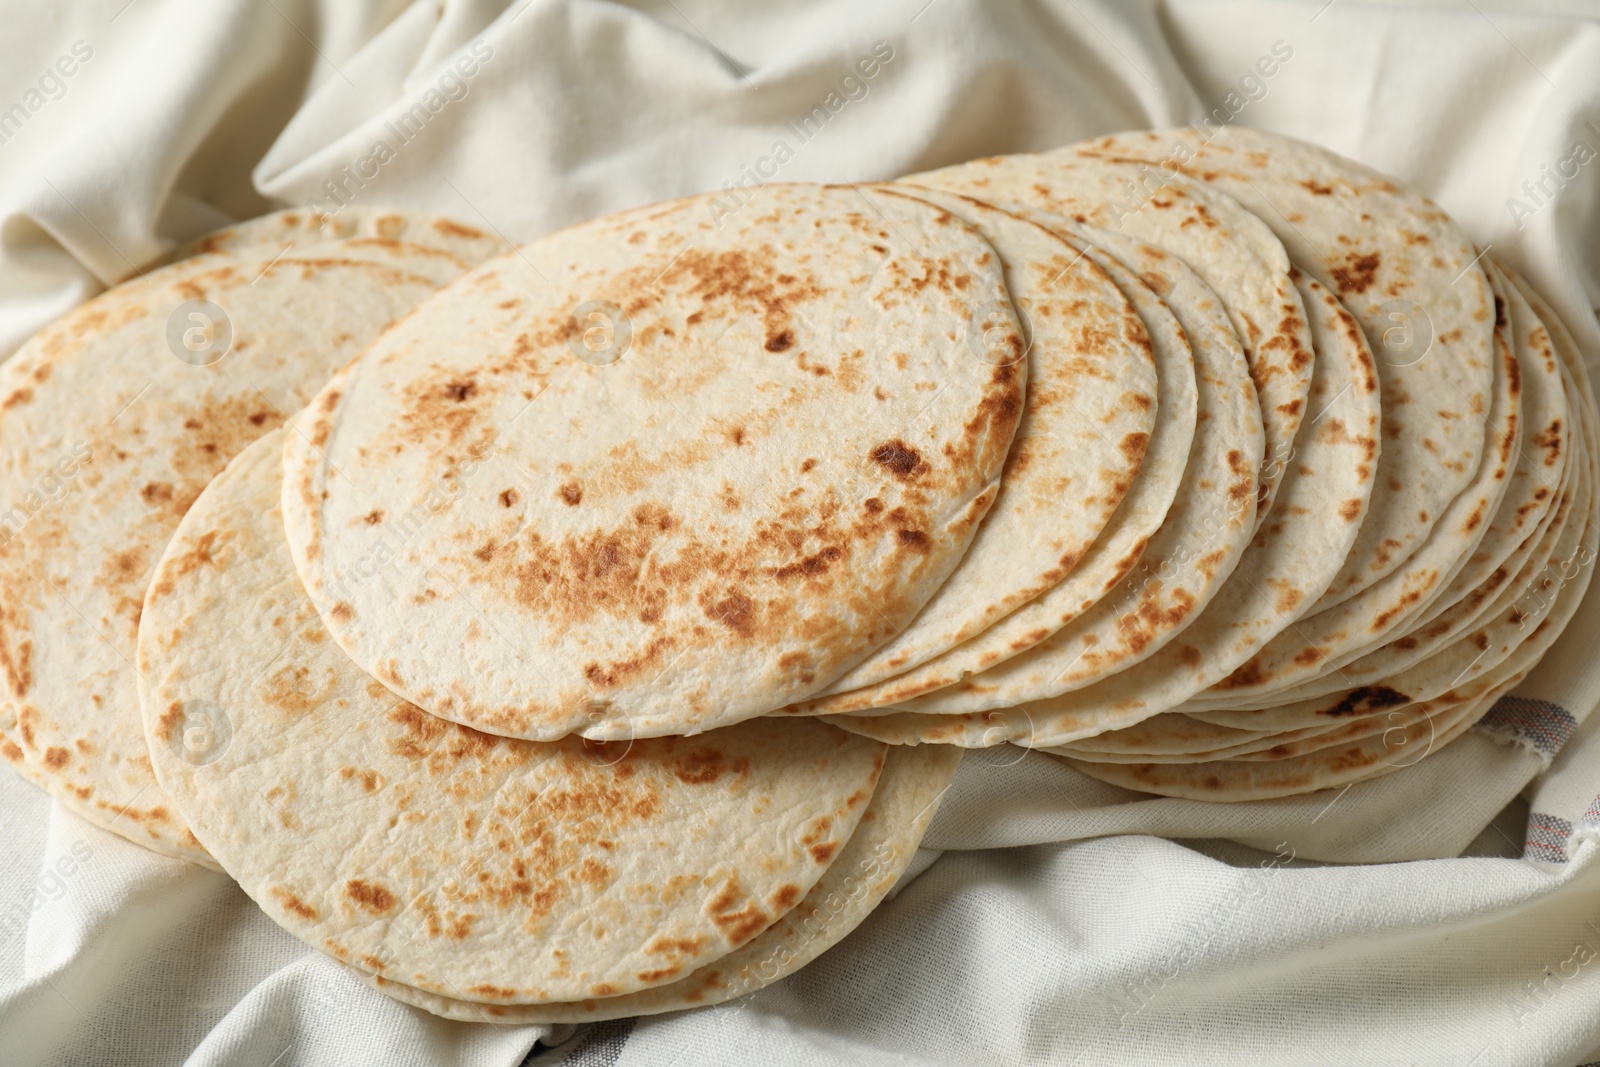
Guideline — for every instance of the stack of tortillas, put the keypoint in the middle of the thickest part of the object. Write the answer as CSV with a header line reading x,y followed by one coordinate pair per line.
x,y
591,628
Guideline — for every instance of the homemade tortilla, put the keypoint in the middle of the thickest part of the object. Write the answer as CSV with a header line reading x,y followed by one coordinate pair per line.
x,y
472,866
1114,555
567,578
1406,272
1086,422
112,424
870,864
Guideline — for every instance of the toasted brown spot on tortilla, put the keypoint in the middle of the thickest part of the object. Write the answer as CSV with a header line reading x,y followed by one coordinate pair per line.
x,y
455,229
700,767
915,540
1367,699
504,994
786,896
815,564
1358,272
370,896
824,851
899,458
295,905
735,612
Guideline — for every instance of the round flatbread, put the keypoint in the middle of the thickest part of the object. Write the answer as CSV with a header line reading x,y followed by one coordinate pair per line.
x,y
1232,251
1409,276
1516,537
1538,600
1292,557
1324,641
299,229
1396,748
1086,422
113,420
1114,555
476,867
870,864
584,490
1199,543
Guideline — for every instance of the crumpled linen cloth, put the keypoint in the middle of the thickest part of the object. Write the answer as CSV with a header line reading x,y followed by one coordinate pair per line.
x,y
1449,914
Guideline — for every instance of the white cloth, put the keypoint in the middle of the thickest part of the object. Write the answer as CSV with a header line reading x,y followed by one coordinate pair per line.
x,y
1445,915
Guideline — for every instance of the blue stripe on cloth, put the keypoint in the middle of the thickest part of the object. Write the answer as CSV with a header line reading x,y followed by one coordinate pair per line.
x,y
1538,725
1546,839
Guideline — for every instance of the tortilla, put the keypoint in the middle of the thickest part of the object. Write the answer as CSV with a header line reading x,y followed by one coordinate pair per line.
x,y
869,865
114,418
1472,596
1234,254
1114,555
1334,636
1086,422
1529,614
460,863
1329,756
1536,601
299,229
1199,543
1169,734
743,562
1396,748
1404,269
1369,693
1292,557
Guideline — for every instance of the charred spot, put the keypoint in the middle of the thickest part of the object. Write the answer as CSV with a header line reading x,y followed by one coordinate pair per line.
x,y
1368,698
1358,273
811,566
460,390
56,757
781,341
500,991
899,458
914,540
571,494
508,497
